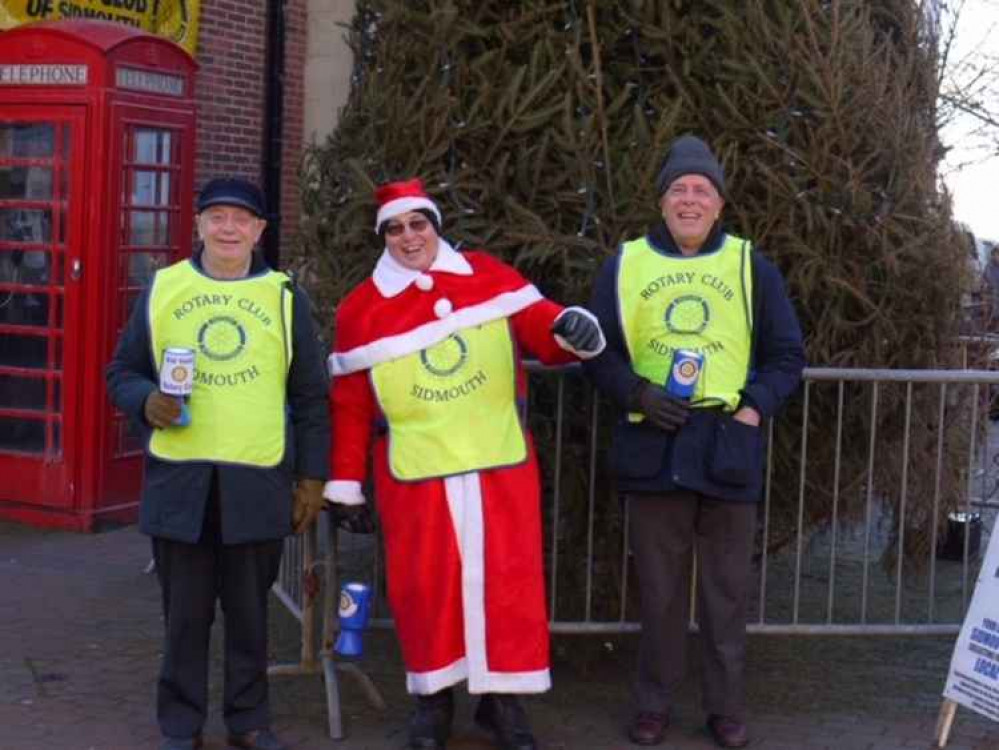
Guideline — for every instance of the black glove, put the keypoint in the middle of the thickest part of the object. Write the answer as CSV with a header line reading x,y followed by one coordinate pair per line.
x,y
357,519
664,410
578,330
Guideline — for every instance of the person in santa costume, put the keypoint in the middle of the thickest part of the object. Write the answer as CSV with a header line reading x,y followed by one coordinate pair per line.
x,y
427,367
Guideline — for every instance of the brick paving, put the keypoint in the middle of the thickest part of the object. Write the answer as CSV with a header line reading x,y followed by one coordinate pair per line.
x,y
80,643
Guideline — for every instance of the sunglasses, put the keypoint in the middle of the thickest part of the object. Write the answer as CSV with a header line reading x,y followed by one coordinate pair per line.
x,y
395,229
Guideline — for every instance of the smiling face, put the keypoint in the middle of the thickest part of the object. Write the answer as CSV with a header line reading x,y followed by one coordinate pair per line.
x,y
411,240
230,233
690,206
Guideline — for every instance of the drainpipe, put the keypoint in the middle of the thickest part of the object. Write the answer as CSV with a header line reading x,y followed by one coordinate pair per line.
x,y
273,127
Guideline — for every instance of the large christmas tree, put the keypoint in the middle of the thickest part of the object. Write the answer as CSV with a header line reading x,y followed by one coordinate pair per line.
x,y
539,126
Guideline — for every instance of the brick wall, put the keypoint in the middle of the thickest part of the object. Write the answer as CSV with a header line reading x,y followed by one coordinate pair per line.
x,y
230,88
296,33
231,91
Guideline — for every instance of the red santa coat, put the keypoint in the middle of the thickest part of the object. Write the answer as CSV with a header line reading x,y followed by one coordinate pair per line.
x,y
463,553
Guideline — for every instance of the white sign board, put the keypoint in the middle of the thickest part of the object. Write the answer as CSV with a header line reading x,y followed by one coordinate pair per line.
x,y
146,80
973,680
44,75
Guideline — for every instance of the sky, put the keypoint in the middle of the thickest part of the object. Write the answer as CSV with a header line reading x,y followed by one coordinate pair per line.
x,y
974,187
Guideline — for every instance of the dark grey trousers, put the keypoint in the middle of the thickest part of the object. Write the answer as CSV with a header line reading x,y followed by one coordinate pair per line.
x,y
663,530
193,577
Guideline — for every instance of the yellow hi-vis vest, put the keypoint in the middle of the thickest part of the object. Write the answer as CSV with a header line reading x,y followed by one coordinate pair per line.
x,y
452,408
700,303
240,331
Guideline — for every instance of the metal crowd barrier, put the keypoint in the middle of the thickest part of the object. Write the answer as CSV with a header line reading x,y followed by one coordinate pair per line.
x,y
832,579
308,587
922,596
780,608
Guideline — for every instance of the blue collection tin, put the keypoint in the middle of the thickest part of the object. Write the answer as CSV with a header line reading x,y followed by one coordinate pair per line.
x,y
684,373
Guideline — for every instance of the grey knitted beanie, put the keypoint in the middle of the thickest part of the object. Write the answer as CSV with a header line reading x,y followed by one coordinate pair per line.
x,y
690,155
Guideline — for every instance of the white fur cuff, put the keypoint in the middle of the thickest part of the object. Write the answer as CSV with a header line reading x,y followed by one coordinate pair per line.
x,y
344,492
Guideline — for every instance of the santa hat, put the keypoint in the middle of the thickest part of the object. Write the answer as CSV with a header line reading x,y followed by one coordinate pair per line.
x,y
396,198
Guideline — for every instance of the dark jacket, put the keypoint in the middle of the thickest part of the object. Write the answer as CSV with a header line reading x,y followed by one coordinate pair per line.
x,y
712,454
255,502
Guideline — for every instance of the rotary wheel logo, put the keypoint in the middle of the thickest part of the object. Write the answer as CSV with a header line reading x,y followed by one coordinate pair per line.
x,y
687,314
179,373
221,339
446,358
347,607
686,372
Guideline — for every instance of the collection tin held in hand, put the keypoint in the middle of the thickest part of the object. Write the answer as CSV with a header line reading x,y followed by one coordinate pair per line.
x,y
684,373
177,379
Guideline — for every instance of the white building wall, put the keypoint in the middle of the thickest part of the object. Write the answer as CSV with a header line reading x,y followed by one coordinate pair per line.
x,y
328,64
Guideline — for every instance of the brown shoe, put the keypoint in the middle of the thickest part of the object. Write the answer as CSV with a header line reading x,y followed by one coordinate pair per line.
x,y
727,732
648,728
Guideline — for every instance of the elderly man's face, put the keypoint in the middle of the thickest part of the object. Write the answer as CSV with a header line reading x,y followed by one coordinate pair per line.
x,y
411,240
690,207
230,233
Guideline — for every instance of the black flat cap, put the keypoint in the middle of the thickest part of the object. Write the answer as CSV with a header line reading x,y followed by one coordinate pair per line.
x,y
232,191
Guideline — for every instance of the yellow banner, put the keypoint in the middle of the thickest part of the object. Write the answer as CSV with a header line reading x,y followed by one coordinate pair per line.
x,y
177,20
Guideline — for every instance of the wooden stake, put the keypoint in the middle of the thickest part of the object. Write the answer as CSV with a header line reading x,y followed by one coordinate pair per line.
x,y
944,721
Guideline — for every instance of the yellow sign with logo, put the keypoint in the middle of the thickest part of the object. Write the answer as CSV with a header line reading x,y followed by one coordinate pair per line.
x,y
176,20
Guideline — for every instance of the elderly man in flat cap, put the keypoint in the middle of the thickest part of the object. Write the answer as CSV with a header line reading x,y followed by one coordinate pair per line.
x,y
234,469
702,345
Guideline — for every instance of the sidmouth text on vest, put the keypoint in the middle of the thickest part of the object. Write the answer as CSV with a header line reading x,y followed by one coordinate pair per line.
x,y
217,378
667,351
449,394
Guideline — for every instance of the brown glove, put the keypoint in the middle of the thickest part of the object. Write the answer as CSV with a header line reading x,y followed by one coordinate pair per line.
x,y
161,410
662,409
308,503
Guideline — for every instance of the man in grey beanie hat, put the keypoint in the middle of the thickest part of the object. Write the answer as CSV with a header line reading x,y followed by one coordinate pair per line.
x,y
687,451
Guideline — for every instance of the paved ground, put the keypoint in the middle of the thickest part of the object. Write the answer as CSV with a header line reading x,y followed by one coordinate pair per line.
x,y
80,638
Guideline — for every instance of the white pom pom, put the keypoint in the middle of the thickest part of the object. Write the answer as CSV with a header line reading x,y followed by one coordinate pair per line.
x,y
424,282
443,307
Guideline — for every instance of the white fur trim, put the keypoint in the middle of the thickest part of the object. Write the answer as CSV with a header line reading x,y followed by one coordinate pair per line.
x,y
565,344
538,681
344,492
392,278
428,683
392,347
464,498
403,206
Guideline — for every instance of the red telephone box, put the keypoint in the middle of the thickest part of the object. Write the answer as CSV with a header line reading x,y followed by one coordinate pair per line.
x,y
96,173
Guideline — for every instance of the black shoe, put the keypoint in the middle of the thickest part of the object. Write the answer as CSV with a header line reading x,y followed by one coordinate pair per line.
x,y
503,715
430,724
648,728
728,732
178,743
258,739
